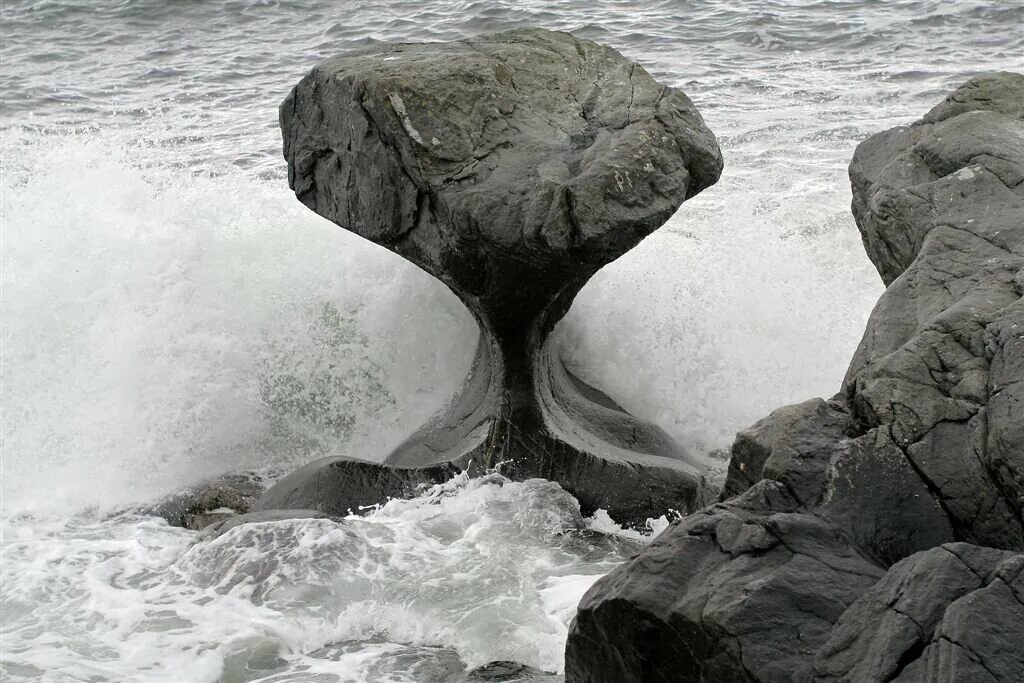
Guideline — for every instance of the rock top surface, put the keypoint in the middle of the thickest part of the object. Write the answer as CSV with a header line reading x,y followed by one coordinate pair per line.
x,y
507,165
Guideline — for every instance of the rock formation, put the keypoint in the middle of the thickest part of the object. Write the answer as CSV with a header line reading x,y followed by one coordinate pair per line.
x,y
876,536
949,613
511,167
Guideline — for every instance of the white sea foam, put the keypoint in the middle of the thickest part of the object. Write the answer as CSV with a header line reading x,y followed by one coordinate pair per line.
x,y
169,311
473,571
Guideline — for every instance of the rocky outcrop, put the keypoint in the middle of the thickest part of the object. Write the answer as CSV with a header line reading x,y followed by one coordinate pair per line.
x,y
877,535
948,613
511,167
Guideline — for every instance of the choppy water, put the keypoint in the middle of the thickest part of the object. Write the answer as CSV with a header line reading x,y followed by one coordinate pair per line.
x,y
162,291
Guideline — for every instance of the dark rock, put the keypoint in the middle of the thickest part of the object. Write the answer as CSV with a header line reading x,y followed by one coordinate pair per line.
x,y
209,502
788,441
342,486
922,447
945,614
977,124
745,590
511,167
506,672
940,364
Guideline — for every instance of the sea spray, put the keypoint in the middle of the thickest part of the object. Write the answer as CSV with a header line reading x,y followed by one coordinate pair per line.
x,y
162,327
482,569
154,268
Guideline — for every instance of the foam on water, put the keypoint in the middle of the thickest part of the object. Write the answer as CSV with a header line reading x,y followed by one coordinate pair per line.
x,y
170,312
472,571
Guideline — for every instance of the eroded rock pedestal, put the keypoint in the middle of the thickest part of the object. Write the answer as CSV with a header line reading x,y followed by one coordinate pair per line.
x,y
876,536
511,167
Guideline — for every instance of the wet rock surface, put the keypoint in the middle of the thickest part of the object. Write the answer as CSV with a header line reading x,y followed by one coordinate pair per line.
x,y
209,502
511,167
876,535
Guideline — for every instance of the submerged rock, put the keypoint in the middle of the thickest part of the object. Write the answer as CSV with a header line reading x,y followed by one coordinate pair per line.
x,y
209,502
221,526
511,167
505,672
847,545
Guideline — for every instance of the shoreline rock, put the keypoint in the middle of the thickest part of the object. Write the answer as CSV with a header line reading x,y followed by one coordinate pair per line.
x,y
836,515
511,167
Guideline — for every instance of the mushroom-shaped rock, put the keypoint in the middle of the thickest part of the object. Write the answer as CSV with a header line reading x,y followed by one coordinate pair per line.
x,y
511,167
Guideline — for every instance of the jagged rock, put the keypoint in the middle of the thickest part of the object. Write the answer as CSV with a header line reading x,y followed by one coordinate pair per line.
x,y
945,614
922,447
797,433
511,167
892,173
979,636
939,368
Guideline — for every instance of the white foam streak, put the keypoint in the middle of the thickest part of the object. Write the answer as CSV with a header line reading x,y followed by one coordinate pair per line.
x,y
474,571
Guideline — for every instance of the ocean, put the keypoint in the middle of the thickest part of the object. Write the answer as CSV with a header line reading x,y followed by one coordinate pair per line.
x,y
161,284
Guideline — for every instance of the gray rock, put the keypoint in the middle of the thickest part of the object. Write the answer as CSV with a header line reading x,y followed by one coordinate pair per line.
x,y
342,486
922,448
511,167
746,590
788,443
893,173
980,634
944,341
945,614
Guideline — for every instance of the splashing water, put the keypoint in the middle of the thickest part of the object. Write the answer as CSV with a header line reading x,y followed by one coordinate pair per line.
x,y
473,571
160,328
169,312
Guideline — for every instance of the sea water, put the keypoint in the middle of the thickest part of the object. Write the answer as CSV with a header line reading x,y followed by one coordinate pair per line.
x,y
170,312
